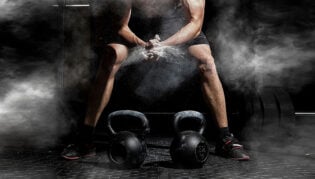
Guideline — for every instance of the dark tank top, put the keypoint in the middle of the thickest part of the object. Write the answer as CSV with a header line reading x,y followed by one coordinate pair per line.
x,y
166,22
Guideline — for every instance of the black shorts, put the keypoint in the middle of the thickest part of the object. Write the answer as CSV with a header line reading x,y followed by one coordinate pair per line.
x,y
200,39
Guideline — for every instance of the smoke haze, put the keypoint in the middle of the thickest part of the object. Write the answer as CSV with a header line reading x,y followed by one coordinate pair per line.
x,y
29,54
268,44
156,79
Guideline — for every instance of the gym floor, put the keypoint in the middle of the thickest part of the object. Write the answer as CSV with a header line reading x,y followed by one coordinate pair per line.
x,y
270,161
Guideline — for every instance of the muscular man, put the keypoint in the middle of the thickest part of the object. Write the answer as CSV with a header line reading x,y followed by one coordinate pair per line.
x,y
179,22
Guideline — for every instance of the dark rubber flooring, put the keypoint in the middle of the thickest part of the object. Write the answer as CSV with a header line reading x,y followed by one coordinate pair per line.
x,y
44,163
294,158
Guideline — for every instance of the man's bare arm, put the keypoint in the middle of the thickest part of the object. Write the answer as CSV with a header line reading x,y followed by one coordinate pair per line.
x,y
127,33
193,28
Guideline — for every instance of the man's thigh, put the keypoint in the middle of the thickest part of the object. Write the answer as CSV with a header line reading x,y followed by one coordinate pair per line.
x,y
201,52
118,51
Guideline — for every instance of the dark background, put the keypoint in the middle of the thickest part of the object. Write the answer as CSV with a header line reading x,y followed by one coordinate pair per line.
x,y
42,39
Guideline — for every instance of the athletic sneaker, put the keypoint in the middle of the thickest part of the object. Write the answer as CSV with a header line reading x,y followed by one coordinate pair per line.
x,y
75,151
229,147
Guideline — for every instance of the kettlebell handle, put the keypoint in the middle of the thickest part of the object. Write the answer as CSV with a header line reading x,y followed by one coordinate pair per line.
x,y
131,113
189,114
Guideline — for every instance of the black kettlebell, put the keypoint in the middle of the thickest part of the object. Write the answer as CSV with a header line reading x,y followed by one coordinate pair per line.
x,y
128,149
189,148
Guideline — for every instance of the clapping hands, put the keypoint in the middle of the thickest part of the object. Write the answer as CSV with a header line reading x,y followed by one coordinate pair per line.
x,y
152,49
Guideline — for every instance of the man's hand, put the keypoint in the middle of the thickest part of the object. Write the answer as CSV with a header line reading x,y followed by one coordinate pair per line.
x,y
151,55
155,42
152,49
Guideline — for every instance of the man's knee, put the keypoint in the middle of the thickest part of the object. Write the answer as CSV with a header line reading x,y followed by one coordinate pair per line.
x,y
113,55
207,65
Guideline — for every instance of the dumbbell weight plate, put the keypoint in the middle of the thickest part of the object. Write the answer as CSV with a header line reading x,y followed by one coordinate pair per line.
x,y
268,112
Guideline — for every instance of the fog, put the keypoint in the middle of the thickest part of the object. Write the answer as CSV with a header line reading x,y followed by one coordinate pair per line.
x,y
266,44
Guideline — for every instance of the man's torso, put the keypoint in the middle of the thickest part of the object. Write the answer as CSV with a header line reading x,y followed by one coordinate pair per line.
x,y
163,17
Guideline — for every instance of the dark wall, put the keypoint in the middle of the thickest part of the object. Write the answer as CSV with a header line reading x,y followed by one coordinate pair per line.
x,y
38,37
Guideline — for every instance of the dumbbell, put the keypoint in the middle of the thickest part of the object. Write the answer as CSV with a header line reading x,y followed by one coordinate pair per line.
x,y
189,148
128,149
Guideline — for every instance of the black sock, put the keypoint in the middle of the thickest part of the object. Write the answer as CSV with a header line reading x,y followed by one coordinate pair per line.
x,y
224,132
86,134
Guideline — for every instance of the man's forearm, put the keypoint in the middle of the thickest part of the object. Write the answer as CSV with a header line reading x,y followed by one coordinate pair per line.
x,y
188,32
126,33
